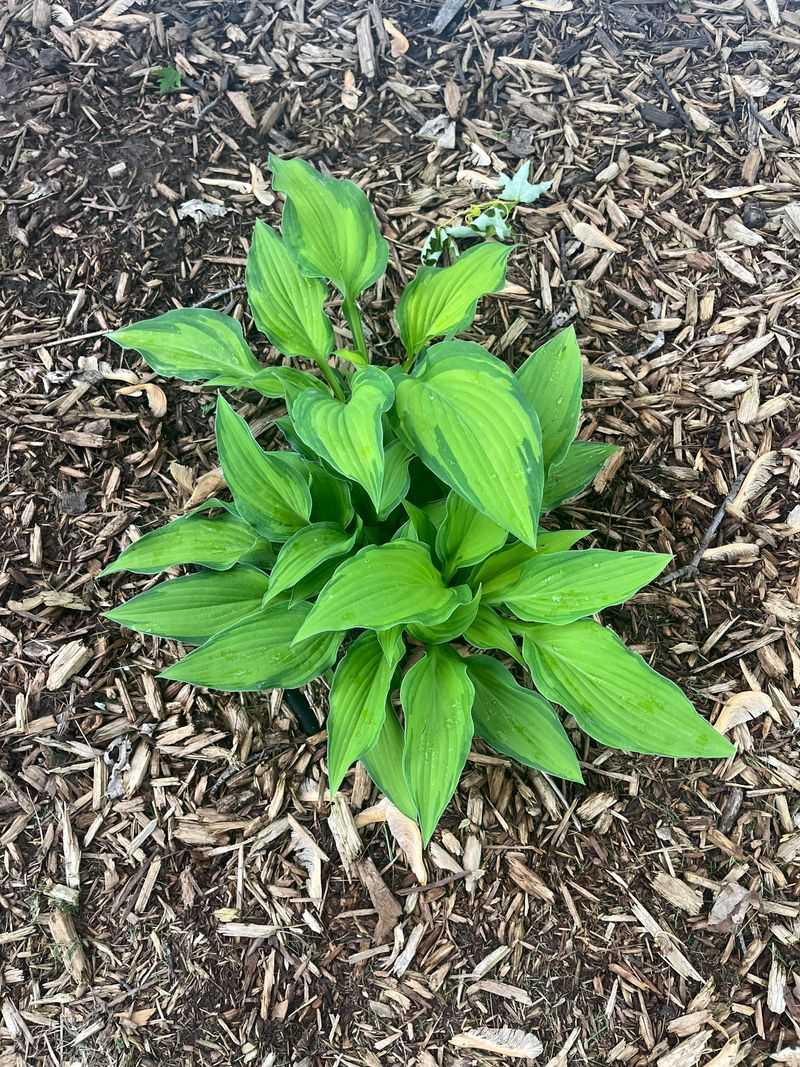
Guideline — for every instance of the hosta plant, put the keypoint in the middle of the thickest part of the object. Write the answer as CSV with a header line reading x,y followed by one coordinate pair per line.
x,y
398,539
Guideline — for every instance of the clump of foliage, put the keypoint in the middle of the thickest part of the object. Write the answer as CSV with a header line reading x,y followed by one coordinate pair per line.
x,y
398,533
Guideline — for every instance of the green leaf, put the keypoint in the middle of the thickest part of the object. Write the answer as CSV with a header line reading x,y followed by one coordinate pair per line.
x,y
191,344
614,695
498,574
213,543
193,608
490,631
552,380
349,436
466,536
169,79
270,488
396,477
560,587
581,465
437,696
260,652
330,226
452,627
330,497
518,722
391,642
358,698
305,551
518,189
424,529
465,416
384,763
441,300
384,586
355,358
283,383
287,304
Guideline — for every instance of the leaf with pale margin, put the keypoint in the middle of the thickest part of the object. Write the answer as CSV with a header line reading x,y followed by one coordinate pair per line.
x,y
452,627
304,552
214,543
614,695
466,536
465,416
191,344
498,574
552,380
384,763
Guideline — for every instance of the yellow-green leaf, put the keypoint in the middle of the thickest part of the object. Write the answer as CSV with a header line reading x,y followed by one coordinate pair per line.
x,y
552,380
304,552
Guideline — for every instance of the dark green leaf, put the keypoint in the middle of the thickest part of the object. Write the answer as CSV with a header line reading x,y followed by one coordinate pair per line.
x,y
287,304
259,653
466,536
384,586
465,416
614,695
330,497
519,723
396,479
581,465
270,488
552,380
560,587
384,763
193,608
191,344
437,696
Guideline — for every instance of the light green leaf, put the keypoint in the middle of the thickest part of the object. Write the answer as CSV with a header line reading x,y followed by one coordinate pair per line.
x,y
452,627
259,653
437,696
518,189
330,226
490,631
193,608
305,551
614,695
441,300
358,698
465,416
396,477
466,536
424,529
498,574
287,304
391,642
384,586
552,380
191,344
581,465
384,763
214,543
350,435
270,488
518,722
560,587
356,358
283,382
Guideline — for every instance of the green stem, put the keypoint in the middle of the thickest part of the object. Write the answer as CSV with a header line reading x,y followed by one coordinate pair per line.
x,y
408,361
331,378
353,316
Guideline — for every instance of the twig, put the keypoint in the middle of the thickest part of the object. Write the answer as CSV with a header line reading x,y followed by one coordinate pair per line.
x,y
215,296
682,115
693,565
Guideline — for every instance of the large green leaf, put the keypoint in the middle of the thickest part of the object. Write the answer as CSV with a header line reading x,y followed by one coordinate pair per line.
x,y
384,586
396,478
270,488
259,653
518,722
191,344
552,380
499,574
452,627
193,608
287,304
437,696
466,536
349,435
489,630
358,698
560,587
304,552
215,543
384,763
465,416
441,300
614,695
330,226
582,463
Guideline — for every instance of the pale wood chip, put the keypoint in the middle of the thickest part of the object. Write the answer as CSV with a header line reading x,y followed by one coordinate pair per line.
x,y
503,1041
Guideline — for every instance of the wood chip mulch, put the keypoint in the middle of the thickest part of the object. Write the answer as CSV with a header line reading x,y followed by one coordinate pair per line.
x,y
174,886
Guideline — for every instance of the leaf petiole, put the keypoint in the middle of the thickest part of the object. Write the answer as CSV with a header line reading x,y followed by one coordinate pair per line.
x,y
330,378
353,316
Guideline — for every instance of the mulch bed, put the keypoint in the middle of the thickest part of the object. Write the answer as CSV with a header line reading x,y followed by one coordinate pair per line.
x,y
174,887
